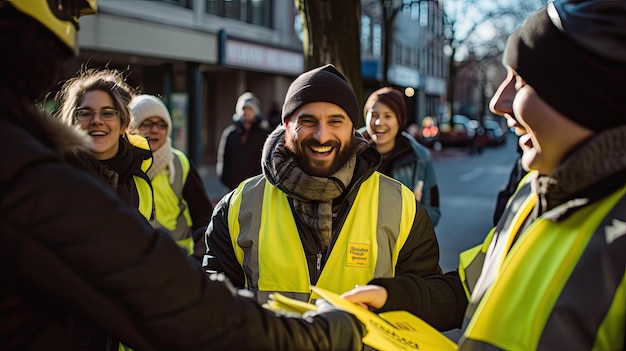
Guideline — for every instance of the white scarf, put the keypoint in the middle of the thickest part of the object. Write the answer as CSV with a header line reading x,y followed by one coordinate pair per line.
x,y
161,158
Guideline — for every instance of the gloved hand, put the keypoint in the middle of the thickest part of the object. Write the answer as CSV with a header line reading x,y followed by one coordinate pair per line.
x,y
221,277
344,330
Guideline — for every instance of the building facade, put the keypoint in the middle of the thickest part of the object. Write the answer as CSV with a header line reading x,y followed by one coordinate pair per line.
x,y
200,55
417,64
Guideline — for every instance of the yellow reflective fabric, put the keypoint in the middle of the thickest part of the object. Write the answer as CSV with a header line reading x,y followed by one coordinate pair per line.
x,y
167,202
146,202
354,259
282,264
233,223
514,310
186,244
144,188
359,236
605,339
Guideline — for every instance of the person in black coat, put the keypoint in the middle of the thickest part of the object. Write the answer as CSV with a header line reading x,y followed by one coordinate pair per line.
x,y
239,151
71,250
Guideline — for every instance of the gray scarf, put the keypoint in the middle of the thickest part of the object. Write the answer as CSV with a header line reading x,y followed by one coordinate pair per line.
x,y
312,196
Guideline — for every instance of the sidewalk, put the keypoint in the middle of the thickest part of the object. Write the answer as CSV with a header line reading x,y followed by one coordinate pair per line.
x,y
212,184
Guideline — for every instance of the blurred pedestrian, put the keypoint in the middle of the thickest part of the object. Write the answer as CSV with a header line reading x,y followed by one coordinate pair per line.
x,y
239,151
96,100
73,251
320,214
403,158
181,202
550,276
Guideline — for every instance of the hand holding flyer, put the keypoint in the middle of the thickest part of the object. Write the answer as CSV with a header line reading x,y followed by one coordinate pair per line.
x,y
395,330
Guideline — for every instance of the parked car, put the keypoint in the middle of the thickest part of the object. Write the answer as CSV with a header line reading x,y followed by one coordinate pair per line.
x,y
496,135
428,133
462,132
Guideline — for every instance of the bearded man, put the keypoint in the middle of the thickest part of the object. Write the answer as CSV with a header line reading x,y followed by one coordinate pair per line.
x,y
321,214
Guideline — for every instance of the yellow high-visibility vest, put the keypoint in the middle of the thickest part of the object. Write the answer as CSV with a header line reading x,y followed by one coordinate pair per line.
x,y
144,187
171,209
367,246
561,284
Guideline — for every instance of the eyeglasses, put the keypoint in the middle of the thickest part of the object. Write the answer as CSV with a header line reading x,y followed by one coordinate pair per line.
x,y
147,125
106,114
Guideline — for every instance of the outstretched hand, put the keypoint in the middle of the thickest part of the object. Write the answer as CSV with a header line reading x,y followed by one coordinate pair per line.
x,y
367,296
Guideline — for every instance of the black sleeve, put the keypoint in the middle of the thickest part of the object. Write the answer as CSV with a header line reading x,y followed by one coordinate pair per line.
x,y
75,248
195,194
220,257
419,286
224,158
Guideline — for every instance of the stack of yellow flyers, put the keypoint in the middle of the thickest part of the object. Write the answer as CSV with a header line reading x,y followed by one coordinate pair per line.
x,y
287,306
395,330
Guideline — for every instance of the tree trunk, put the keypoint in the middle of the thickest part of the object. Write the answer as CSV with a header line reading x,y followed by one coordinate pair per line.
x,y
331,35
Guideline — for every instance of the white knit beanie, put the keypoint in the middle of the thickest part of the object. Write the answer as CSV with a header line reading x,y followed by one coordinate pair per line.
x,y
248,99
145,106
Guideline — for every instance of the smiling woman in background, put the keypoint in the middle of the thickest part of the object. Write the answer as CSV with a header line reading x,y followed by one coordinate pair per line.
x,y
97,101
403,158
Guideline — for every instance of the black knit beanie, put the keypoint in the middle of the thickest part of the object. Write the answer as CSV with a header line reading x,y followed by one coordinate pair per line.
x,y
391,97
322,84
584,85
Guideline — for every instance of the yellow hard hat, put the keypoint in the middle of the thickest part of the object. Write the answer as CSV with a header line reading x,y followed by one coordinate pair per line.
x,y
59,16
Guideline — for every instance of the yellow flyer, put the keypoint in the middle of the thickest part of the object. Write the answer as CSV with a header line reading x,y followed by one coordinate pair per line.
x,y
395,330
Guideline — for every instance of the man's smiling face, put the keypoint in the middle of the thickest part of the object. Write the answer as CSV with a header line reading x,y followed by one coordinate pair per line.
x,y
320,136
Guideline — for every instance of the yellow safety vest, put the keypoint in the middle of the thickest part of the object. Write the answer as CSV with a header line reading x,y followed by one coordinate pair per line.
x,y
558,285
172,211
144,188
367,246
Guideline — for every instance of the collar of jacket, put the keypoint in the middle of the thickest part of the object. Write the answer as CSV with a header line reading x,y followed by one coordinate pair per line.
x,y
594,169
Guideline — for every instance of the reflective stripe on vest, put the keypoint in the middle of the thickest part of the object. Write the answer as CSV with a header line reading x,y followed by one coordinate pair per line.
x,y
267,244
560,287
471,261
172,211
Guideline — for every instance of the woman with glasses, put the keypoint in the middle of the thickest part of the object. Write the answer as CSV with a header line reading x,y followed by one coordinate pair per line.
x,y
97,102
181,202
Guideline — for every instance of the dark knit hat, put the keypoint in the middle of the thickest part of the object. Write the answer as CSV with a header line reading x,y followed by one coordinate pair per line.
x,y
585,85
391,97
322,84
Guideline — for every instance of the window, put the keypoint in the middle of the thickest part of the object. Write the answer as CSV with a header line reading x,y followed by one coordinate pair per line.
x,y
250,11
377,40
366,34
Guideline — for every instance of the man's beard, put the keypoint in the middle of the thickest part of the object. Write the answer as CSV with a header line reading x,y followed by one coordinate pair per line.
x,y
313,168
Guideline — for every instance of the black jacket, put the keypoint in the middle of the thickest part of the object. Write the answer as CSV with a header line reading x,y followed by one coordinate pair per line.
x,y
71,250
239,153
438,299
